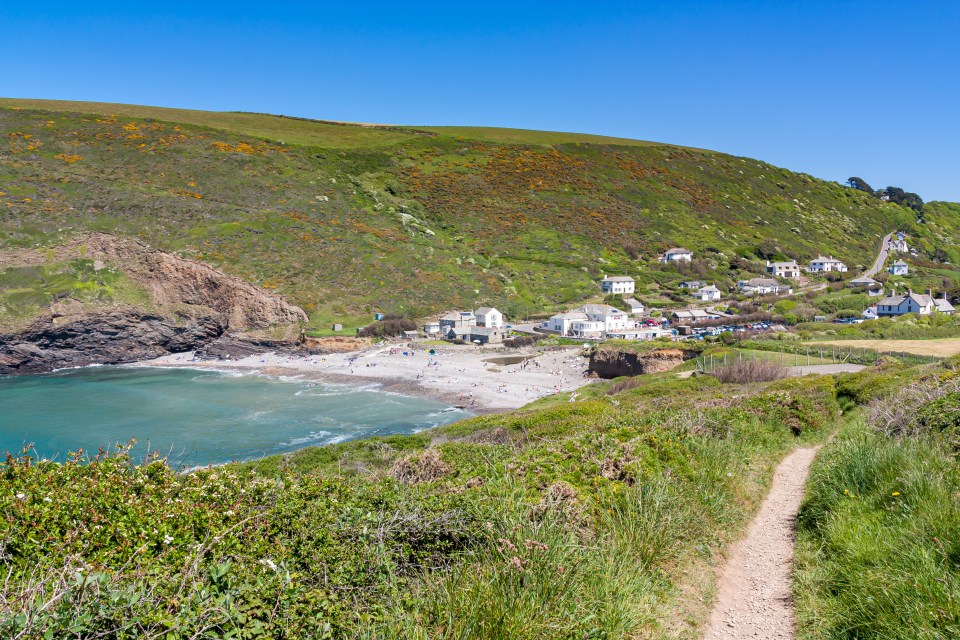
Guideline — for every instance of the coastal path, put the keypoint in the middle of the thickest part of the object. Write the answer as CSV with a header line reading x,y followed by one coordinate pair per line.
x,y
755,596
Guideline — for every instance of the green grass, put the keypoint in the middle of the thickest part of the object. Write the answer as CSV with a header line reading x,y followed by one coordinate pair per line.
x,y
591,519
346,220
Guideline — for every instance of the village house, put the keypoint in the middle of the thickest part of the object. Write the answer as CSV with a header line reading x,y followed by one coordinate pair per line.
x,y
693,315
870,313
677,254
894,305
457,333
789,270
488,317
708,294
411,335
899,268
617,284
634,306
943,305
825,265
642,333
589,321
763,286
561,323
611,317
692,284
899,245
431,327
458,320
485,335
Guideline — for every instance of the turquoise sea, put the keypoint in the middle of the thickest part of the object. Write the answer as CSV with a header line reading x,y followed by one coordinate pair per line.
x,y
197,417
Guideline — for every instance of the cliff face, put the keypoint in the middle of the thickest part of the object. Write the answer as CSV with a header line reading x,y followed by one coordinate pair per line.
x,y
114,337
193,305
610,363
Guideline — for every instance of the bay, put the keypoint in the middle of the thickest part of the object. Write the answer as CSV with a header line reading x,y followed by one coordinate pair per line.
x,y
197,417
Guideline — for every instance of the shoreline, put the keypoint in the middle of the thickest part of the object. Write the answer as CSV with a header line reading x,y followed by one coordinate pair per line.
x,y
476,380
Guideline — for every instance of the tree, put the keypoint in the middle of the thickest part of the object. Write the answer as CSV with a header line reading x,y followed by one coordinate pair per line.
x,y
860,185
903,198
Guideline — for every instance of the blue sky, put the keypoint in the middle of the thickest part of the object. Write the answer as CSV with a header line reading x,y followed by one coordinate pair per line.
x,y
831,88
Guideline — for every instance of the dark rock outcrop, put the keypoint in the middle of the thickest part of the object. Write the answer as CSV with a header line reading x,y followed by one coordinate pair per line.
x,y
112,337
612,363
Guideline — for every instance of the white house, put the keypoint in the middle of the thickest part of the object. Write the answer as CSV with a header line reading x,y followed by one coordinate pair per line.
x,y
634,306
458,320
899,245
617,284
899,268
676,254
431,327
586,329
894,305
489,317
789,270
943,305
692,284
763,286
708,294
611,317
870,313
824,265
562,322
642,333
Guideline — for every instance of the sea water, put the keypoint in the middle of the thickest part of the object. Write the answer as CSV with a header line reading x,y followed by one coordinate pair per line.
x,y
197,417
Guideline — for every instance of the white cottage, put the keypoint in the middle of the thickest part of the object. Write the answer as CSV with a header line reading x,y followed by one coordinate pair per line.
x,y
789,270
825,265
899,268
489,317
618,285
708,294
894,305
677,254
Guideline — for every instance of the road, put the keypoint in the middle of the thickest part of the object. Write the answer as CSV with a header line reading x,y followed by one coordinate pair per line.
x,y
881,258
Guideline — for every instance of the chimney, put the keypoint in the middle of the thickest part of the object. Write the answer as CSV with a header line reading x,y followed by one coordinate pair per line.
x,y
930,292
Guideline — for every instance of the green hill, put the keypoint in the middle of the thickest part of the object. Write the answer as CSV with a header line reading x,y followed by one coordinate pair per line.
x,y
345,219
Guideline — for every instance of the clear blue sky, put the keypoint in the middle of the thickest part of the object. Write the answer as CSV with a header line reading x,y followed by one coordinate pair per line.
x,y
831,88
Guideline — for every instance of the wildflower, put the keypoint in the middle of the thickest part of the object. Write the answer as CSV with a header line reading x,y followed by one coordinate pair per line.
x,y
267,562
47,499
846,491
21,496
167,539
895,494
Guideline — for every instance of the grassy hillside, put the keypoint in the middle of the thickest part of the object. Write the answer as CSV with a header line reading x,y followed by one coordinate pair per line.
x,y
592,519
346,219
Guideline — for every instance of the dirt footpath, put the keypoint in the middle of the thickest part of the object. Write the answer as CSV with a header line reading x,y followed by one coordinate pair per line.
x,y
754,600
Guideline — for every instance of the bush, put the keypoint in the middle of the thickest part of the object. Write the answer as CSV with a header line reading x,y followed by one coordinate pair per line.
x,y
747,371
389,327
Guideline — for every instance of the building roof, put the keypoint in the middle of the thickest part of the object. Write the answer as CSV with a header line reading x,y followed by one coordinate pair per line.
x,y
483,331
597,309
617,279
709,289
453,315
696,314
482,311
943,305
569,315
676,250
633,302
792,263
823,259
692,284
900,263
864,280
921,299
761,282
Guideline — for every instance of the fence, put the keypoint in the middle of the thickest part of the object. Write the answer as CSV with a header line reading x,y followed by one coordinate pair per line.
x,y
805,356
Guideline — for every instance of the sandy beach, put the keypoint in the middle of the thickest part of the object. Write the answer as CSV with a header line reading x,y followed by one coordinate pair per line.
x,y
478,379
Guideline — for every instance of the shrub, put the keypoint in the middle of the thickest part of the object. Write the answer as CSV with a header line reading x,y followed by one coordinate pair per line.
x,y
390,326
747,371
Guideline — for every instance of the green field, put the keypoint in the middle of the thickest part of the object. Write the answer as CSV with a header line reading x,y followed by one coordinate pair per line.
x,y
346,219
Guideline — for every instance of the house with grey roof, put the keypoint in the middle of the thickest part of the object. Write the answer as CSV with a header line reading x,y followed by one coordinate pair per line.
x,y
677,254
763,287
488,317
899,305
617,285
708,293
899,268
789,270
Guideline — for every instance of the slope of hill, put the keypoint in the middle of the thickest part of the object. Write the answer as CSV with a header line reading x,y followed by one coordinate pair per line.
x,y
345,219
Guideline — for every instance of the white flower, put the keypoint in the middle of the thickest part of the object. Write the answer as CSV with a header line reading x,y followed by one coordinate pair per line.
x,y
167,539
47,499
21,496
267,562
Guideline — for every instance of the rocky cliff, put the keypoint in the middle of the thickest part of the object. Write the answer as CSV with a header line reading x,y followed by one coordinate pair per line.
x,y
193,306
613,363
